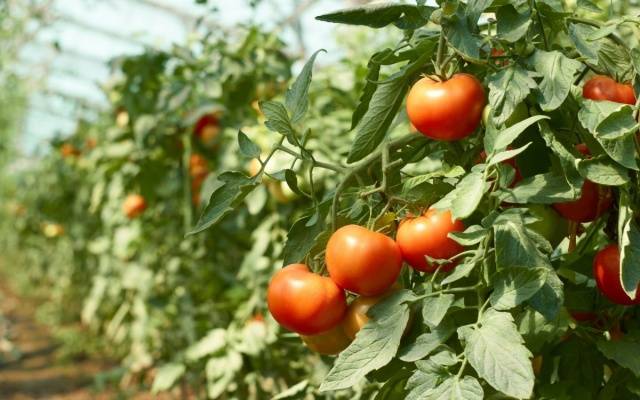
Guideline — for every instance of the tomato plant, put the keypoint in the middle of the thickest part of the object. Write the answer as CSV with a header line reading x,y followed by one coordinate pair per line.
x,y
507,309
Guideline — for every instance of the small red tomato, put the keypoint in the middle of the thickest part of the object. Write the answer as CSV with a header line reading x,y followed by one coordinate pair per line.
x,y
604,88
305,302
198,166
363,261
134,205
594,200
448,110
428,236
606,271
207,128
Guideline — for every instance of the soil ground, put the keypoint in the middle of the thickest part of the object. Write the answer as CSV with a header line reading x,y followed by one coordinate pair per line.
x,y
35,369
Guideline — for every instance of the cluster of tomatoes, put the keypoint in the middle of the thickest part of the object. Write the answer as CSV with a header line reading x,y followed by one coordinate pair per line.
x,y
368,263
363,262
452,109
206,130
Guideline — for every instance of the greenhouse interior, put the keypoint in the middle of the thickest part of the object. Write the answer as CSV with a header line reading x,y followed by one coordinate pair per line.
x,y
319,199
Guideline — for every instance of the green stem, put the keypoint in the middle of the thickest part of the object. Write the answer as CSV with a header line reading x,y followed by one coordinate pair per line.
x,y
316,163
187,205
356,168
442,45
544,34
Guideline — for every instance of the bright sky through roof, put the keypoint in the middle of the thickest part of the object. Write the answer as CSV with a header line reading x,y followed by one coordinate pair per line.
x,y
90,32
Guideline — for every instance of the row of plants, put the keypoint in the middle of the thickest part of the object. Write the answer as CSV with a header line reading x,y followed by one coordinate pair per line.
x,y
457,219
515,209
100,220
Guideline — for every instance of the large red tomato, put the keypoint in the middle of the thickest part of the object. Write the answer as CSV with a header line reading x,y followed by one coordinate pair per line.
x,y
330,342
604,88
305,302
427,236
363,261
592,203
448,110
606,271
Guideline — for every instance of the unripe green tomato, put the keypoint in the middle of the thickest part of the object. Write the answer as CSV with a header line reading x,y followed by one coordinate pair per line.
x,y
449,7
524,49
550,225
519,114
436,16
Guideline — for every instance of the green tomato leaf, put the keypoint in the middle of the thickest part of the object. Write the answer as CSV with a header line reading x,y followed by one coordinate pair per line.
x,y
435,308
513,286
629,245
588,49
247,147
383,108
301,239
465,198
539,189
621,149
604,171
426,343
426,377
373,75
512,25
374,346
277,118
293,392
624,351
506,155
166,376
460,31
507,89
380,15
226,198
496,351
515,249
454,388
502,139
589,6
471,236
297,96
558,72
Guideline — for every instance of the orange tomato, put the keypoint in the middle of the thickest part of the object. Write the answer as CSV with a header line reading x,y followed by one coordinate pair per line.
x,y
362,261
305,302
448,110
428,236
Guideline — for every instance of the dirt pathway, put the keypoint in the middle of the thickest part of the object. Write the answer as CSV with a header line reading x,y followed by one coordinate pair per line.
x,y
36,372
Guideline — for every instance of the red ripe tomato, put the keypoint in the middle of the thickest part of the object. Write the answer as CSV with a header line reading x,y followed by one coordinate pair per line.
x,y
427,236
305,302
594,201
330,342
448,110
606,271
604,88
363,261
207,128
134,205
